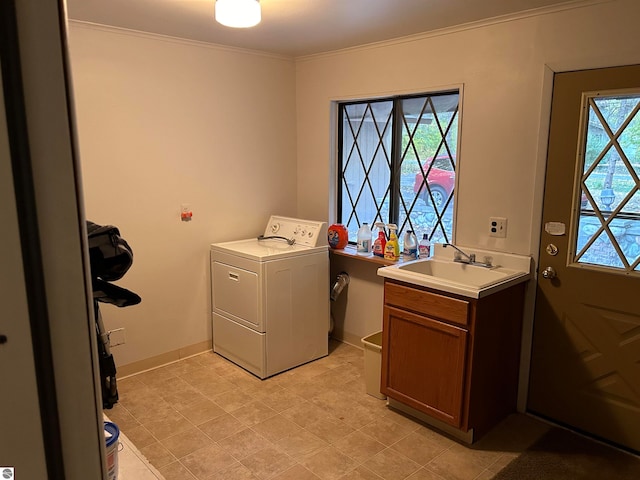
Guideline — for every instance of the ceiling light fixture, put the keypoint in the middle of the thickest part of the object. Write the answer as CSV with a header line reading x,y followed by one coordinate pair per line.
x,y
238,13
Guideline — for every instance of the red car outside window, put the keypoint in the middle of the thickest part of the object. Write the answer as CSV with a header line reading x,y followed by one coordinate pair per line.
x,y
441,182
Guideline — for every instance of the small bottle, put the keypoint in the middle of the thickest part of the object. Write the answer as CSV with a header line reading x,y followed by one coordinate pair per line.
x,y
364,240
410,246
380,240
424,248
392,249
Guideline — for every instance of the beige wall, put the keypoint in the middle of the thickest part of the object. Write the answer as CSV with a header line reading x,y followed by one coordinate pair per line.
x,y
505,70
163,122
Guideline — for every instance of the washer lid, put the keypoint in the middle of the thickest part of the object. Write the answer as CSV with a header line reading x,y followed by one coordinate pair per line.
x,y
264,250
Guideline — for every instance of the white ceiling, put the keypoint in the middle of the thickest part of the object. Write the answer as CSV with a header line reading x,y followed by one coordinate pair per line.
x,y
298,27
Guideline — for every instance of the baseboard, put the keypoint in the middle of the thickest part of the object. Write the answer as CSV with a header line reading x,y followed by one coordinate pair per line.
x,y
348,338
163,359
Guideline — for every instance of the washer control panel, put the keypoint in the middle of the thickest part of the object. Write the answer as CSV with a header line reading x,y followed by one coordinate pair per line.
x,y
304,232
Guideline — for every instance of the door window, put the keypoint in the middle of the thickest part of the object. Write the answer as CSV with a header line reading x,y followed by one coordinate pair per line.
x,y
608,217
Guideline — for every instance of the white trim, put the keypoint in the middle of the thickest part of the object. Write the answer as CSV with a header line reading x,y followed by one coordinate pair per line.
x,y
534,12
62,236
175,40
435,90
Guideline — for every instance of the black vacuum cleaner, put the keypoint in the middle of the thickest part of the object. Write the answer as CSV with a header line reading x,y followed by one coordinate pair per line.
x,y
110,257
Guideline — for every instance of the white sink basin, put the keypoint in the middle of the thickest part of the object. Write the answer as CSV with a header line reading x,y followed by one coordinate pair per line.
x,y
459,272
454,277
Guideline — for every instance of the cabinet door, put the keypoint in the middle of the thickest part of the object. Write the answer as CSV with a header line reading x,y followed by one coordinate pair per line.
x,y
424,364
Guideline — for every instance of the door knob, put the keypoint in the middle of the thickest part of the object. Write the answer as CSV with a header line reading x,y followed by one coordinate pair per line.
x,y
549,273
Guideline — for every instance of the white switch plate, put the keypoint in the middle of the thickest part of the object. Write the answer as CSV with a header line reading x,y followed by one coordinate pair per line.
x,y
116,337
497,227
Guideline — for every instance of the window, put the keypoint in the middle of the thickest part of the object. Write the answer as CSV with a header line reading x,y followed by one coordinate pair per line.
x,y
608,220
397,163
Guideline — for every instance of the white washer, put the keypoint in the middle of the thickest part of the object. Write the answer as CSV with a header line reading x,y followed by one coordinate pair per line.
x,y
270,297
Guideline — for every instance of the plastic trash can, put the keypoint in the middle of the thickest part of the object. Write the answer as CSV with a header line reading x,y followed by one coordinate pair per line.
x,y
373,364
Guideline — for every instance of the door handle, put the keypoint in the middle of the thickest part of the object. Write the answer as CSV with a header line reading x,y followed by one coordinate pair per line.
x,y
549,273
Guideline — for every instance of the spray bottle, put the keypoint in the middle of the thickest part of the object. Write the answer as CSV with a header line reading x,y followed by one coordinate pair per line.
x,y
392,248
380,239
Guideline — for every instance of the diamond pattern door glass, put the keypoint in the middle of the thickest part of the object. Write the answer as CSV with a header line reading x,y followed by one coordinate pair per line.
x,y
608,226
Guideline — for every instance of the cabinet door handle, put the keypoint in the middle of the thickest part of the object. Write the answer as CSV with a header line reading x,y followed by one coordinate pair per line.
x,y
234,276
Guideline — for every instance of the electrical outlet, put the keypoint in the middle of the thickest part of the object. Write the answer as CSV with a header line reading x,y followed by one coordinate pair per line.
x,y
116,337
498,227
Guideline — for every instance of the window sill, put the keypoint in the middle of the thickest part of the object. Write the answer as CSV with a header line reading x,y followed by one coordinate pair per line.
x,y
350,251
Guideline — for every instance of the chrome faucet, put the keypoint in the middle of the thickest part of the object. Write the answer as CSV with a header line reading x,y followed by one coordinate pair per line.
x,y
468,258
457,257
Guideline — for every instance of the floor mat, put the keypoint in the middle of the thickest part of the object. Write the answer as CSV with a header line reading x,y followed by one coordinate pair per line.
x,y
562,455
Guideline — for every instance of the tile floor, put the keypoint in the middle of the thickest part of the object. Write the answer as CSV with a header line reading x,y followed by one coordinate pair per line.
x,y
132,465
205,418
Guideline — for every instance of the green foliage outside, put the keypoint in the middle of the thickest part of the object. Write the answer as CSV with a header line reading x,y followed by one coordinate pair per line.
x,y
611,171
426,141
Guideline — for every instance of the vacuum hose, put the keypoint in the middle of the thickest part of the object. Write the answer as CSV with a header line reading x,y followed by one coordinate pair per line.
x,y
342,280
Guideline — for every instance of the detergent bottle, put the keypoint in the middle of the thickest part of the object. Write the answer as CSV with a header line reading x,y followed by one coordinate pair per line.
x,y
424,247
364,240
410,246
392,248
380,239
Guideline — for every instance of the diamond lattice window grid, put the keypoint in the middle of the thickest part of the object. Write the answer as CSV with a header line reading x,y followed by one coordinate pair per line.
x,y
608,221
397,163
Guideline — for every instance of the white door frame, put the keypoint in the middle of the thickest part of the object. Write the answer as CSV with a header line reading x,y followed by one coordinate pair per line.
x,y
51,344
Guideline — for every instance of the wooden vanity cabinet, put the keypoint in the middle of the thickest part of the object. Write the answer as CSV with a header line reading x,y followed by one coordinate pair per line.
x,y
453,358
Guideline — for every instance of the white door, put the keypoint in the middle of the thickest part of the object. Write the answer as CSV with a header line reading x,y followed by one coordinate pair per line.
x,y
50,410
